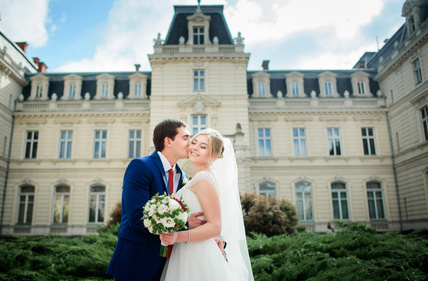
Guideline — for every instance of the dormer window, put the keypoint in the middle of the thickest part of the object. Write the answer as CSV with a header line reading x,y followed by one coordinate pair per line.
x,y
418,71
327,84
360,84
39,87
137,85
261,85
72,86
198,36
412,11
294,83
105,86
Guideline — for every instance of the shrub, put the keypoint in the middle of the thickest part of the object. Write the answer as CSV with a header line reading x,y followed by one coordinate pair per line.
x,y
116,214
268,215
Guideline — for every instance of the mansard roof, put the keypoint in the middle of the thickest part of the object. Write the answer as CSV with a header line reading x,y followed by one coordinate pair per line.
x,y
218,25
310,81
89,83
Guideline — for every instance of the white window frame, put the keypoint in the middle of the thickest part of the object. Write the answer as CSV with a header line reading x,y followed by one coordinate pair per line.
x,y
65,144
299,142
99,202
31,144
264,142
424,119
369,141
198,80
199,35
333,138
261,85
137,90
341,199
295,88
28,199
328,89
267,192
361,88
100,144
104,90
134,144
376,201
304,205
417,70
261,89
199,123
64,204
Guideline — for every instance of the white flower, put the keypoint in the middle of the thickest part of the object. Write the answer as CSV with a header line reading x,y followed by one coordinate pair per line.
x,y
182,216
184,182
151,210
162,209
148,223
167,222
174,205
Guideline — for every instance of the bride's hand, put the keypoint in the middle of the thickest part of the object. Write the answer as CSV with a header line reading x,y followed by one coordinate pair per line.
x,y
169,238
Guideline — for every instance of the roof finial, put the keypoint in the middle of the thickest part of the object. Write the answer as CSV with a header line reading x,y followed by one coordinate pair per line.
x,y
198,10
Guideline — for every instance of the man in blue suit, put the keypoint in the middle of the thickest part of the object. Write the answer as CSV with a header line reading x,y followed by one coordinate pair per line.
x,y
136,256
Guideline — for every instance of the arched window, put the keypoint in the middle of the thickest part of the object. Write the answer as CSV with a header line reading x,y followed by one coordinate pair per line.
x,y
267,189
97,199
339,196
26,204
304,201
61,204
375,200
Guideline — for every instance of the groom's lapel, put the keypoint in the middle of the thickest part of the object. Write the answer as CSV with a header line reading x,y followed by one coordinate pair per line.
x,y
158,163
180,182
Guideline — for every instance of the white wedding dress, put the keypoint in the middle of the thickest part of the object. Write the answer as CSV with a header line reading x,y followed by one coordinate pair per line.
x,y
196,261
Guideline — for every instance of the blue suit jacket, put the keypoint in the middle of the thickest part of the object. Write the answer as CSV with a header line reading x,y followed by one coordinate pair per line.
x,y
136,256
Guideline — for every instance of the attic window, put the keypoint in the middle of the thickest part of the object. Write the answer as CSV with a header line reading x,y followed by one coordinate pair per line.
x,y
198,35
412,23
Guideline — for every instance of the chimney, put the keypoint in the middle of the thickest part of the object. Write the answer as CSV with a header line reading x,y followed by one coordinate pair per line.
x,y
361,64
36,60
265,65
137,67
42,67
23,46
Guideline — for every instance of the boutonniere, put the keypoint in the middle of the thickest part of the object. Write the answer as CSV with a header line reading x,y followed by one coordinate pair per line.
x,y
184,182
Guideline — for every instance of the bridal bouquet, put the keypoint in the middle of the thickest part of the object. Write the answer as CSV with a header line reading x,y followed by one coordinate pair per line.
x,y
164,214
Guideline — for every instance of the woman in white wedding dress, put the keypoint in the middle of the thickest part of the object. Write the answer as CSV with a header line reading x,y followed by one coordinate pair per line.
x,y
196,255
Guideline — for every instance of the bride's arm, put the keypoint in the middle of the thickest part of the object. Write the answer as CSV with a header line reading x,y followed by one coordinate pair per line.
x,y
210,203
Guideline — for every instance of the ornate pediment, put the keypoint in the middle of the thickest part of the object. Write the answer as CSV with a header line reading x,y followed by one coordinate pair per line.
x,y
199,102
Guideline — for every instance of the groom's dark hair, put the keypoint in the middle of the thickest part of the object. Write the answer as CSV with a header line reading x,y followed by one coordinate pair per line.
x,y
166,129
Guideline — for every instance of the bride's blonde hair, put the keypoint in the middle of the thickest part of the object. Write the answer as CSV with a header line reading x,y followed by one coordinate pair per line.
x,y
215,145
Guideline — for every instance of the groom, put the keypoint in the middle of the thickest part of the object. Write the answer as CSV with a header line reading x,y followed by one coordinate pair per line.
x,y
136,256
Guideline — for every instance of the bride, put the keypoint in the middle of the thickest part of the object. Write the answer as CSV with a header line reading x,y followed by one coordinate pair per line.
x,y
213,190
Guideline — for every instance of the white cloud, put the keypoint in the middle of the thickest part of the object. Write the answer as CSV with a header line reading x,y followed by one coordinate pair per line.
x,y
25,22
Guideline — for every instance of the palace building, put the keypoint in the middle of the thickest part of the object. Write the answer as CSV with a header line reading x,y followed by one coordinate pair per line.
x,y
339,144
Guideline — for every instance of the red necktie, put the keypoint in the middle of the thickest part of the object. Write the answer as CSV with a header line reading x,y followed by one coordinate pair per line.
x,y
171,181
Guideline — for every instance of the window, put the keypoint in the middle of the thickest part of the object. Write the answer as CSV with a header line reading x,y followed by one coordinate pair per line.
x,y
65,144
267,189
412,23
39,91
261,89
424,112
72,91
361,89
61,204
134,144
199,122
340,201
97,204
368,141
327,88
100,144
198,80
104,91
265,149
333,135
137,90
304,201
295,88
26,204
299,141
418,71
375,201
31,144
198,36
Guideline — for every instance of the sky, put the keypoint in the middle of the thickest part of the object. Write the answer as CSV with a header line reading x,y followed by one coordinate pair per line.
x,y
114,35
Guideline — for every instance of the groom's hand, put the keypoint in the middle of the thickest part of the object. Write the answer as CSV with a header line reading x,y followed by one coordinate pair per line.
x,y
194,221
